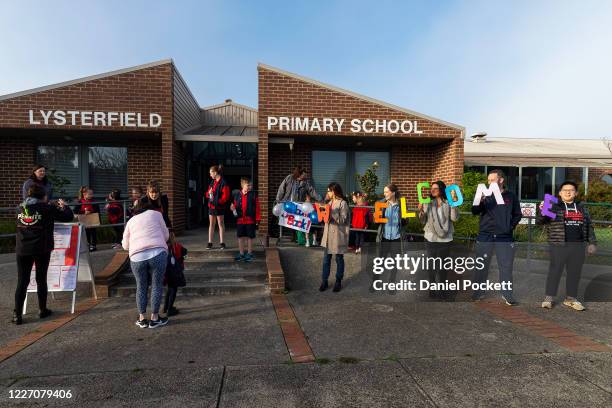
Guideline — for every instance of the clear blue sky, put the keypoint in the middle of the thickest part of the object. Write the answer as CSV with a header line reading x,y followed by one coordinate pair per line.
x,y
513,68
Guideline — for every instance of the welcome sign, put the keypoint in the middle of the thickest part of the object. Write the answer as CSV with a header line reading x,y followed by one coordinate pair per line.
x,y
306,124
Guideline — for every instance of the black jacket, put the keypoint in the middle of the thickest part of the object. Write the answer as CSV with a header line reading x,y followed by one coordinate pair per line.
x,y
35,221
555,229
498,220
163,208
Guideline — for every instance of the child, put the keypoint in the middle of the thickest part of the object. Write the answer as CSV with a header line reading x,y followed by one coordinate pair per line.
x,y
246,210
114,209
314,233
135,196
360,219
303,238
351,241
177,278
86,198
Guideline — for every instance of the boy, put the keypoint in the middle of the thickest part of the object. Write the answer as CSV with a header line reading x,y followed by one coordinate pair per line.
x,y
246,209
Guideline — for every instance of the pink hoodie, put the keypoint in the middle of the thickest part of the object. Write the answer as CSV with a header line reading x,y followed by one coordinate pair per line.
x,y
146,230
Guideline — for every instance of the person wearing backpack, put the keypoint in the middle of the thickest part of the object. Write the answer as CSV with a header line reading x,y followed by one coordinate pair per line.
x,y
175,276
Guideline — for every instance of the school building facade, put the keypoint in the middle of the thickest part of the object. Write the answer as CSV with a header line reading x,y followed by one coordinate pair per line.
x,y
123,128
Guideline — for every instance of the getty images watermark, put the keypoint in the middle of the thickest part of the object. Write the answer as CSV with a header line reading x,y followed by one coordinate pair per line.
x,y
413,264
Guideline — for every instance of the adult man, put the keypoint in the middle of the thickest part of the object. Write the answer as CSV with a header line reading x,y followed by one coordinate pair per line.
x,y
497,223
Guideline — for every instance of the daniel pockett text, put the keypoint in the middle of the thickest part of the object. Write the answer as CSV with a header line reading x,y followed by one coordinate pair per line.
x,y
412,264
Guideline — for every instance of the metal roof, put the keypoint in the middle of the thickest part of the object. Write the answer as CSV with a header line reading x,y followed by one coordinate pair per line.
x,y
362,97
85,79
225,122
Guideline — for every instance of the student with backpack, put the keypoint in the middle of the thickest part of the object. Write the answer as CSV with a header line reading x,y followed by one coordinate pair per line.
x,y
175,276
246,209
86,206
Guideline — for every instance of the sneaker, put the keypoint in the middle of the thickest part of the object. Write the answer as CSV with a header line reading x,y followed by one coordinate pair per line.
x,y
314,241
222,246
45,313
17,319
547,304
574,304
307,245
143,324
161,321
248,258
92,248
239,257
358,251
209,246
477,297
324,286
509,300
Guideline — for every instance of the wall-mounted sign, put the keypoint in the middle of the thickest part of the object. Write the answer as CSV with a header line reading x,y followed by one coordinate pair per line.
x,y
94,118
301,124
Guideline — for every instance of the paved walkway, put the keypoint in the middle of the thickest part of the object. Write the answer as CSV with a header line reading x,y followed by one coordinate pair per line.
x,y
230,351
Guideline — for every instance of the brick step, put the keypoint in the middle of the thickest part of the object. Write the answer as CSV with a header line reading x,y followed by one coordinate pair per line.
x,y
205,277
202,289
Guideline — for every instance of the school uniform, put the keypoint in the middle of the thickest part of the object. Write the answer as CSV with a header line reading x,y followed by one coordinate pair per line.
x,y
248,213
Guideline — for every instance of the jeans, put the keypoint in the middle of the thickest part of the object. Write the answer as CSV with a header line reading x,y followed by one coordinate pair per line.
x,y
504,251
571,258
24,269
145,270
439,275
327,266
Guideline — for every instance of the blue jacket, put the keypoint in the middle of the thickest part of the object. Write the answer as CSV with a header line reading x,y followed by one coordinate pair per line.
x,y
498,221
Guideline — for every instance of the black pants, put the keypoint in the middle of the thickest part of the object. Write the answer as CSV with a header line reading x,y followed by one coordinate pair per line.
x,y
387,248
92,236
170,298
439,250
571,258
359,238
24,269
118,234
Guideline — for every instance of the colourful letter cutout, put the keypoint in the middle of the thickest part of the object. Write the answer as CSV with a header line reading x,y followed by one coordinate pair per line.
x,y
548,200
420,192
492,189
322,212
405,213
378,207
449,196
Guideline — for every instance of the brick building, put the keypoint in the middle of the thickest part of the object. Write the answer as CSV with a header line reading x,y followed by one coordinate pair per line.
x,y
122,128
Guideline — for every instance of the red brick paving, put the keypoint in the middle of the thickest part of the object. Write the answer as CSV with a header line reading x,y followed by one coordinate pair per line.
x,y
15,346
296,342
552,331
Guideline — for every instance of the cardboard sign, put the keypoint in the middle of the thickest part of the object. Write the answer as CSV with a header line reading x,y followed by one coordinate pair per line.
x,y
294,221
89,220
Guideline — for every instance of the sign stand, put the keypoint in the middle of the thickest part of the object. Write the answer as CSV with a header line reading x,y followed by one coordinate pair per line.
x,y
72,263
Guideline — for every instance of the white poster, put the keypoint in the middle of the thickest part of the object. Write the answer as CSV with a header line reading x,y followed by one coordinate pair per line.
x,y
528,210
296,222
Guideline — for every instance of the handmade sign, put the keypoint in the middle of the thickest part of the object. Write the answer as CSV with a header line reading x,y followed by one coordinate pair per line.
x,y
294,215
89,220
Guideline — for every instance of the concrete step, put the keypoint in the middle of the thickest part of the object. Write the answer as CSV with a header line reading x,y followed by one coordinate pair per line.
x,y
201,289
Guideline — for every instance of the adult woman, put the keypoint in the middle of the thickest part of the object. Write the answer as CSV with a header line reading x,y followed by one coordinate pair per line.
x,y
156,201
296,186
389,238
34,240
218,195
568,234
38,177
438,217
145,237
335,236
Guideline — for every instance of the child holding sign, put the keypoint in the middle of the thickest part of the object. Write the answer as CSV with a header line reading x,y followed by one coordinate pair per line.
x,y
86,207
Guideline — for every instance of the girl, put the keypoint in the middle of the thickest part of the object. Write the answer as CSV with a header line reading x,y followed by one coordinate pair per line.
x,y
218,195
335,236
86,206
176,279
351,242
157,201
438,217
135,196
389,237
114,209
361,218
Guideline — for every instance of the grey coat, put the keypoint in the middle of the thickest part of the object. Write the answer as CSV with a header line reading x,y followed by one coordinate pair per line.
x,y
296,190
438,229
30,182
336,232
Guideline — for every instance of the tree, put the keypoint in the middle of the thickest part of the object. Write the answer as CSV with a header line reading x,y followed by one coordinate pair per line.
x,y
368,182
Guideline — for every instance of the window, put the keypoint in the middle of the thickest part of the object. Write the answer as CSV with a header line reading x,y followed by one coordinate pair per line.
x,y
535,182
106,169
342,166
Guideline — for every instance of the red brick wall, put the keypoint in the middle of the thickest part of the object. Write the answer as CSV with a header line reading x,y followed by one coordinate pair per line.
x,y
16,161
595,173
148,90
285,95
